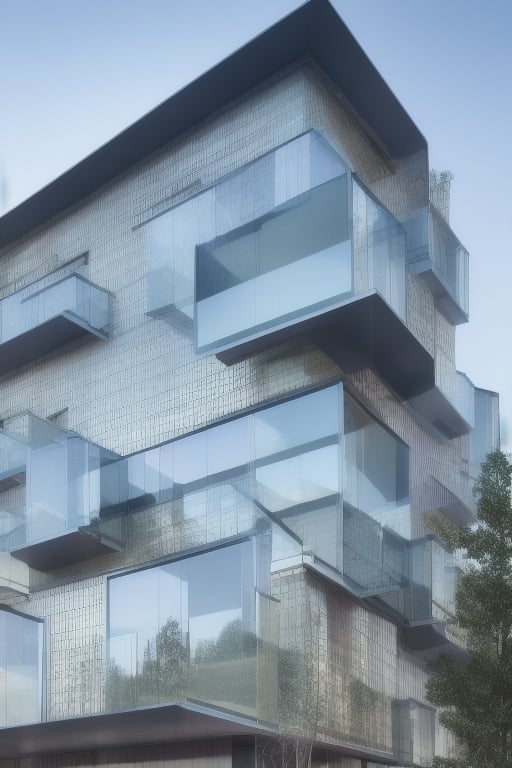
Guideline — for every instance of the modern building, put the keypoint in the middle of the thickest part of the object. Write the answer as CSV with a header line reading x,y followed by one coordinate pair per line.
x,y
229,400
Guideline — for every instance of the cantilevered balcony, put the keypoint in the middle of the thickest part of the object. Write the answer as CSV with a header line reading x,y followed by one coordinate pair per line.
x,y
485,437
435,253
56,520
46,316
450,404
430,600
290,244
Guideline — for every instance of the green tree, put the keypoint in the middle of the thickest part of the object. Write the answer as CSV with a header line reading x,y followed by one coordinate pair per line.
x,y
478,694
164,672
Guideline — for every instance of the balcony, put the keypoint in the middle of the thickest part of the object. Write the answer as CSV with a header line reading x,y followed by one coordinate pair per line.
x,y
57,519
290,244
435,253
450,405
47,316
485,436
434,573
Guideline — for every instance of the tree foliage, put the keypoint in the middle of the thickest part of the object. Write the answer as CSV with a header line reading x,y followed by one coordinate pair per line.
x,y
477,695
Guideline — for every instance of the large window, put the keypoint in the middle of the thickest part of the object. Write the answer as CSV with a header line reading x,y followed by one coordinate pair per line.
x,y
376,515
21,658
197,630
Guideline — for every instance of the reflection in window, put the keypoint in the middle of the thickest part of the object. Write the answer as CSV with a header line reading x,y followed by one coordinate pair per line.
x,y
21,658
376,517
194,633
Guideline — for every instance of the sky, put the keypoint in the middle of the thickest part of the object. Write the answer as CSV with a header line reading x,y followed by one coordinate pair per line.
x,y
73,73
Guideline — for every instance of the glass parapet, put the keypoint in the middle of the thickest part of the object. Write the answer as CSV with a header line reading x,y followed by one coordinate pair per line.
x,y
21,660
485,437
450,405
13,460
434,251
456,387
288,236
40,302
47,316
60,482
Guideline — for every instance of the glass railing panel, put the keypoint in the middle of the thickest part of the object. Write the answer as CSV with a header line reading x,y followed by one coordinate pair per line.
x,y
433,247
445,574
379,251
450,258
12,527
13,453
292,261
485,437
38,303
455,386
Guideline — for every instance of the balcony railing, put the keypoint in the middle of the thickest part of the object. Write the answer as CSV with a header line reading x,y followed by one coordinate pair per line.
x,y
45,316
435,252
288,244
450,404
58,517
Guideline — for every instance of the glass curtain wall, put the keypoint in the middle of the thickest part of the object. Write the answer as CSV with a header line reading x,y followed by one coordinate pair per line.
x,y
376,513
21,658
202,626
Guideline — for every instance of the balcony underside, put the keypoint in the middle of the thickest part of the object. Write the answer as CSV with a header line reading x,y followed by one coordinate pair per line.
x,y
43,339
12,478
443,296
67,549
361,333
431,638
439,412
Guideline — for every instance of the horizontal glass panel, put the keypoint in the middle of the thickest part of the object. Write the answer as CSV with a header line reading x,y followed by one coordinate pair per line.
x,y
33,306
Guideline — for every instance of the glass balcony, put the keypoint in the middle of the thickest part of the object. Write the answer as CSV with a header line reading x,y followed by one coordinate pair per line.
x,y
436,253
485,437
427,599
59,519
46,316
450,405
290,243
13,460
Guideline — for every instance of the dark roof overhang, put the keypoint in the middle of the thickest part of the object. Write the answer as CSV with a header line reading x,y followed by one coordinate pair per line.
x,y
314,30
167,723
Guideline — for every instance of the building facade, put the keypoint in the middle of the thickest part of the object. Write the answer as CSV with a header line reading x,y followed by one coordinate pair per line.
x,y
229,403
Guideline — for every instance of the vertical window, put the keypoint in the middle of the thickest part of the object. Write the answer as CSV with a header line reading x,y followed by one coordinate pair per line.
x,y
21,657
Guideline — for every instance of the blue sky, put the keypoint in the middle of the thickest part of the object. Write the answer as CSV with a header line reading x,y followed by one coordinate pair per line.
x,y
73,73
